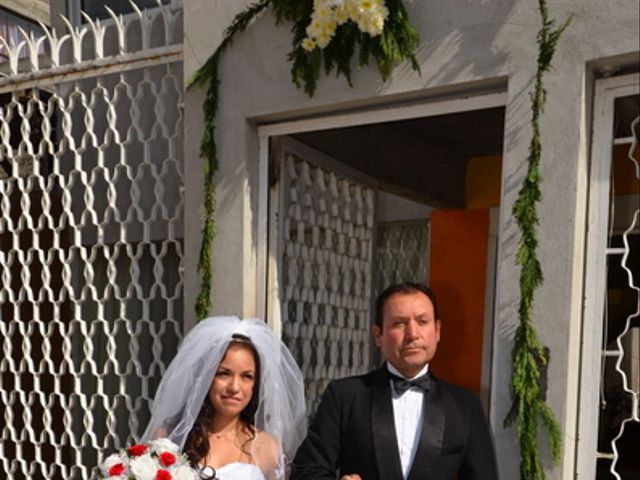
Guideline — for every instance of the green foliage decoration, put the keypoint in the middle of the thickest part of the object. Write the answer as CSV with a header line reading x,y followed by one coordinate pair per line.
x,y
209,73
397,41
529,356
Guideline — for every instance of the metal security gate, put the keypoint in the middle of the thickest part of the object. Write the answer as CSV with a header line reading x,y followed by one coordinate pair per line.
x,y
609,432
91,229
323,233
402,253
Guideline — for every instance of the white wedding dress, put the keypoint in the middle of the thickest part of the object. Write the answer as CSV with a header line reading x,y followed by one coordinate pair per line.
x,y
239,471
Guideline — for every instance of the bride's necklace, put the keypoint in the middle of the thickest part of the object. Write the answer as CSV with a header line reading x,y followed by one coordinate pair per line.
x,y
230,433
231,436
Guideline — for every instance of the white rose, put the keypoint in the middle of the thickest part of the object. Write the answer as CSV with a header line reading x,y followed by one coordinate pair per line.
x,y
163,445
109,462
144,467
184,472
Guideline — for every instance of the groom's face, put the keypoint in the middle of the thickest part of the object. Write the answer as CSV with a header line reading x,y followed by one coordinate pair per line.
x,y
410,332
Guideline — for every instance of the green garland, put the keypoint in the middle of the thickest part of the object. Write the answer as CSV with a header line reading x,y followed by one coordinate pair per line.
x,y
529,357
208,150
397,42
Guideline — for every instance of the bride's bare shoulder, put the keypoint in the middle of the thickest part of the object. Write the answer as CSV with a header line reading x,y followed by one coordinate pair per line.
x,y
266,450
267,442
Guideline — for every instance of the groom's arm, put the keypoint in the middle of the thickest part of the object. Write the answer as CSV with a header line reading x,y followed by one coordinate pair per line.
x,y
480,458
317,457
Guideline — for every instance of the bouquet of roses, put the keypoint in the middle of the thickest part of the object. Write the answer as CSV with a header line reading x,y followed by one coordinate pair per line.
x,y
159,460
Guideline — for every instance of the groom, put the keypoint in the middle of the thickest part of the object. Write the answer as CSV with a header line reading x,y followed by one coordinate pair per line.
x,y
399,422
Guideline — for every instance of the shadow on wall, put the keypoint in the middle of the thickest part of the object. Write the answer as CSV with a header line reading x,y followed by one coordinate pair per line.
x,y
458,42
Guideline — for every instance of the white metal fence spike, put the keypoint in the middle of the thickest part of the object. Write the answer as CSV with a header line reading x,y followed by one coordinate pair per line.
x,y
118,20
136,8
98,31
32,47
7,48
76,34
54,43
145,17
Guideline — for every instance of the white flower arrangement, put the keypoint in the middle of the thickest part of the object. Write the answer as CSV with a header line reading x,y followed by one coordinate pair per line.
x,y
158,460
368,15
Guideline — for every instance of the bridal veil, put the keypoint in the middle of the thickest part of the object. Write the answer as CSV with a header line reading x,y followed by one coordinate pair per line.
x,y
186,382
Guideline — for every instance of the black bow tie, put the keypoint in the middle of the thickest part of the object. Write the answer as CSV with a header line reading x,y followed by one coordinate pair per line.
x,y
401,385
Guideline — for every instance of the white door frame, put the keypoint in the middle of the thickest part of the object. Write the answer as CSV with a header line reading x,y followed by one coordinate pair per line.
x,y
606,91
342,120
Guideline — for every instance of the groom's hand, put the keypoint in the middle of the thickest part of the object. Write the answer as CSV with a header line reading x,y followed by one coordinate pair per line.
x,y
353,476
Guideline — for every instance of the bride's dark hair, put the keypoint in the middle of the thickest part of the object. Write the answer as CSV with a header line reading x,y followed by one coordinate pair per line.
x,y
197,445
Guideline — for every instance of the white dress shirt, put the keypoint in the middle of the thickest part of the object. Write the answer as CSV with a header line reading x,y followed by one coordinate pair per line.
x,y
407,416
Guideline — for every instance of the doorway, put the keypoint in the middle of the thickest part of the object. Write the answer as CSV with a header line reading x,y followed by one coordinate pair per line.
x,y
369,201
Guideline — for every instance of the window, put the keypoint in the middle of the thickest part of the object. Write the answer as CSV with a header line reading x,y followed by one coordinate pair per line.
x,y
97,8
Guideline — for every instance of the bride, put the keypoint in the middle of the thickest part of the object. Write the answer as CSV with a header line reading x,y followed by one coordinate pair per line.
x,y
233,400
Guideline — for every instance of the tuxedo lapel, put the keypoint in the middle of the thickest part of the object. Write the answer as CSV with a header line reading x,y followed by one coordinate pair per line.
x,y
432,434
383,430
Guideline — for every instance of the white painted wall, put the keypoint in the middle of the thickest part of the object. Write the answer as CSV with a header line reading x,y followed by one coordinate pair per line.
x,y
465,43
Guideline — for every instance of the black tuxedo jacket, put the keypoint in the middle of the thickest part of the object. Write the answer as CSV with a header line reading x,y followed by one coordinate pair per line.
x,y
354,432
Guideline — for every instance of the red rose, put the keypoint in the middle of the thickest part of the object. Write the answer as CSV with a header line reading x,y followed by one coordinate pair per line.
x,y
137,450
167,459
163,475
117,469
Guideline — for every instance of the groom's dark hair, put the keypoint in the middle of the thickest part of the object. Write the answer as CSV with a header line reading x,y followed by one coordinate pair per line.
x,y
403,288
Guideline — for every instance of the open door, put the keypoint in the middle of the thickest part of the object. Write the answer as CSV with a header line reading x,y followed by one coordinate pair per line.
x,y
322,224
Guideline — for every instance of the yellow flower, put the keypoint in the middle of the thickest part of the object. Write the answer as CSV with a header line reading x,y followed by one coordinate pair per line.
x,y
376,25
315,28
323,40
323,12
341,15
330,27
353,9
369,15
308,44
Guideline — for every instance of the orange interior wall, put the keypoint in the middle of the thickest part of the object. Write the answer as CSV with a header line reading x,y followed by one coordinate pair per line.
x,y
482,181
458,261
